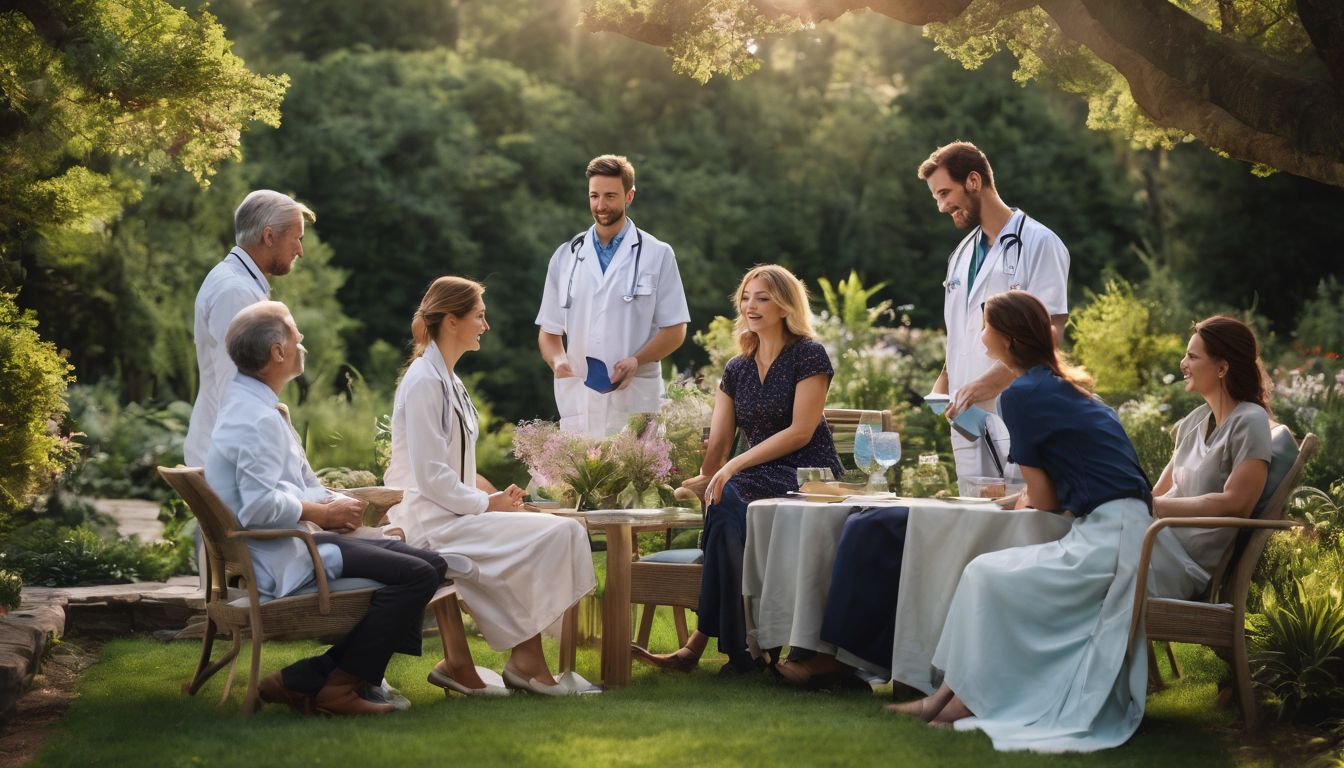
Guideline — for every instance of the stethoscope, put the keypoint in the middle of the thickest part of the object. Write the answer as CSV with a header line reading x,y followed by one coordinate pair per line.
x,y
576,250
1011,259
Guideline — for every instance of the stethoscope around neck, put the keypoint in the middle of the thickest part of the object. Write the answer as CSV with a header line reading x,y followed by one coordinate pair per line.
x,y
1010,240
576,250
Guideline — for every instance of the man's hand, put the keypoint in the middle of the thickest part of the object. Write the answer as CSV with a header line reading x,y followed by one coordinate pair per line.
x,y
341,514
560,364
508,500
623,372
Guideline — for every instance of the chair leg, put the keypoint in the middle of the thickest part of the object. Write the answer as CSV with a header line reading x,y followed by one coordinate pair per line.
x,y
252,698
452,633
1171,657
1241,671
1155,681
230,657
645,624
679,619
203,663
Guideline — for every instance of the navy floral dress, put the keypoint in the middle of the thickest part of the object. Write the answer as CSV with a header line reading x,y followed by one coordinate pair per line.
x,y
761,409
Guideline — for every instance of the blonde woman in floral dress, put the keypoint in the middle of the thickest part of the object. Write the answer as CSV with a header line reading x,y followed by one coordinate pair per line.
x,y
528,568
775,392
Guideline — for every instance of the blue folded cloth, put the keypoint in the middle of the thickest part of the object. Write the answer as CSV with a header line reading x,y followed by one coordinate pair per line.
x,y
598,379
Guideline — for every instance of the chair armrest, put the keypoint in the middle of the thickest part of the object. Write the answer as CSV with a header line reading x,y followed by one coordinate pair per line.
x,y
379,498
268,534
1150,538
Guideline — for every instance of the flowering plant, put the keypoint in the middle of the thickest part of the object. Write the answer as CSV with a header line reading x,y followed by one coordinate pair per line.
x,y
618,470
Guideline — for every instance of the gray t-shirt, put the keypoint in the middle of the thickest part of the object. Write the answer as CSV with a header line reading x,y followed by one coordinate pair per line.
x,y
1203,460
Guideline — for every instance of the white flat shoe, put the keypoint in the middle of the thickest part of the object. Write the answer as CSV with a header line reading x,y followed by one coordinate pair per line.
x,y
494,684
569,684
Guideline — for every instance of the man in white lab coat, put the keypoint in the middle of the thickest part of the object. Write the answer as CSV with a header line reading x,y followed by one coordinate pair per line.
x,y
268,229
259,471
613,293
1005,250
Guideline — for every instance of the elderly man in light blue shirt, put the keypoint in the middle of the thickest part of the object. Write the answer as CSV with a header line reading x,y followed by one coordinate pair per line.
x,y
259,471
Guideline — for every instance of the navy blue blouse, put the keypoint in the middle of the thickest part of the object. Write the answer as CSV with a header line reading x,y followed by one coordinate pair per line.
x,y
1077,441
762,409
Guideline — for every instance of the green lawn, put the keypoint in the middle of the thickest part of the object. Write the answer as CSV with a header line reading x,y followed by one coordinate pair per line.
x,y
129,712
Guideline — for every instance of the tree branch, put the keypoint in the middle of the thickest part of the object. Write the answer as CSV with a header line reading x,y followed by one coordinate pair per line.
x,y
1324,22
1232,97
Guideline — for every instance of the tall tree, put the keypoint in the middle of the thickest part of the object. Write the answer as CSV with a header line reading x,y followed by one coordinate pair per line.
x,y
1259,80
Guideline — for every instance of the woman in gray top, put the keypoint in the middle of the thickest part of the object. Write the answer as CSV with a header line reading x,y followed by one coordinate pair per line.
x,y
1222,448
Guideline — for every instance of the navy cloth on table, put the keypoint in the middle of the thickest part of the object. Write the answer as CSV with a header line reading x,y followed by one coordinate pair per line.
x,y
1076,439
761,409
860,612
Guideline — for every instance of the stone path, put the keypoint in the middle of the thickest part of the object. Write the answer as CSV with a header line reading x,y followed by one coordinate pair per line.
x,y
135,517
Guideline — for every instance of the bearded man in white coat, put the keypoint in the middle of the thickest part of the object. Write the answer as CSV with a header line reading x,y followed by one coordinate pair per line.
x,y
268,232
1005,250
613,293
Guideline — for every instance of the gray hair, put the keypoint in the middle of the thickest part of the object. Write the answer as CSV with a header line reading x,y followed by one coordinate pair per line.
x,y
265,208
253,332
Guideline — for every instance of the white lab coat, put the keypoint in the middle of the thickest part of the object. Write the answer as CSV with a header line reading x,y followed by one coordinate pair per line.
x,y
525,568
1042,269
256,467
599,323
234,283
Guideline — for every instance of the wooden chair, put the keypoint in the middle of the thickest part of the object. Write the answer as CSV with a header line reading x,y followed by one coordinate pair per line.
x,y
672,577
1218,617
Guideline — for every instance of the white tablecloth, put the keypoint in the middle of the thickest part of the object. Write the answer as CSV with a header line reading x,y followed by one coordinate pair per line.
x,y
790,551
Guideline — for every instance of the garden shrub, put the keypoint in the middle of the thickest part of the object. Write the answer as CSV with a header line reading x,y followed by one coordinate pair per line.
x,y
33,378
1310,401
1147,422
1119,340
1297,651
1320,326
123,445
11,589
59,557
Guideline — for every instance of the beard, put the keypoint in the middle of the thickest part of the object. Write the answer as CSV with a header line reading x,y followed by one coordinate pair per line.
x,y
609,217
969,215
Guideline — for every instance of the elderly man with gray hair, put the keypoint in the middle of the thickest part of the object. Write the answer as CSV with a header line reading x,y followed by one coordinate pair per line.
x,y
259,471
268,229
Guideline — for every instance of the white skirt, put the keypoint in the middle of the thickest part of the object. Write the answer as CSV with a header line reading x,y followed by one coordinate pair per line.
x,y
528,569
1034,642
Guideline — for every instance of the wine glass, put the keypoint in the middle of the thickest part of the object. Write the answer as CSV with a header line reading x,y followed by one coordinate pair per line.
x,y
887,452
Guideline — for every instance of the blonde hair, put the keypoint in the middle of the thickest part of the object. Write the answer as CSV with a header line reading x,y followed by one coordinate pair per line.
x,y
788,292
448,295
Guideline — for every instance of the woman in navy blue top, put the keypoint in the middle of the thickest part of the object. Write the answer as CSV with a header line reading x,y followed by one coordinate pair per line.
x,y
774,391
1034,649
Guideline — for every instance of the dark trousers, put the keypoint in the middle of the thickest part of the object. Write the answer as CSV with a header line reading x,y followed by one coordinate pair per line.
x,y
861,605
395,615
720,611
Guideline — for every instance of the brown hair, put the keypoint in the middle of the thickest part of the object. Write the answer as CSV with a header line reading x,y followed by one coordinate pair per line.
x,y
1233,342
449,295
788,292
959,158
1031,339
612,165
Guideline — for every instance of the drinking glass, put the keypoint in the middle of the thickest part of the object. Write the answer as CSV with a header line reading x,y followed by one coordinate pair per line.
x,y
863,449
886,452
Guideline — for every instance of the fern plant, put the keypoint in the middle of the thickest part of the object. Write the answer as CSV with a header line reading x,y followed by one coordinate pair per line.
x,y
1297,652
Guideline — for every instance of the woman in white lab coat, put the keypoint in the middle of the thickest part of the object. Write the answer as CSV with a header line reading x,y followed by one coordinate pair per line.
x,y
529,568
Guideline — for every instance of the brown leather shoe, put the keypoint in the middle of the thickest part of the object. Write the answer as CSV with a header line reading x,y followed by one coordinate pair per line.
x,y
680,661
340,696
273,691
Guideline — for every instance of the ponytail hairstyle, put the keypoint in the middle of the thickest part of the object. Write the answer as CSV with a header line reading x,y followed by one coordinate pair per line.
x,y
1031,339
449,295
788,292
1232,341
